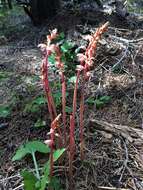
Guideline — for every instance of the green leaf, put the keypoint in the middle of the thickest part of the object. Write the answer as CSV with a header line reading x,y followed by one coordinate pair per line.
x,y
37,146
44,181
20,153
34,106
99,103
5,111
29,148
61,37
72,79
57,97
90,101
66,46
55,184
68,109
57,154
40,123
105,99
51,59
31,108
40,100
29,180
46,168
4,75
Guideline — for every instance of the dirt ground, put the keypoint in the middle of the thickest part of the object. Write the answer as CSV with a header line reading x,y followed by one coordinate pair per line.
x,y
113,158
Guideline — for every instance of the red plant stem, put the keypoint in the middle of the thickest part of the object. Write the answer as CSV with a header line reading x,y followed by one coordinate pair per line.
x,y
51,155
64,104
72,129
51,105
54,126
75,96
72,118
71,147
46,88
82,118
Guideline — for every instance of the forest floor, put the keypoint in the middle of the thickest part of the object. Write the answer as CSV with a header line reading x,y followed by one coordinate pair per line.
x,y
113,130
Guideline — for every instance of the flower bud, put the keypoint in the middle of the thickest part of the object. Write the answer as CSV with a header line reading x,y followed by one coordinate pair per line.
x,y
79,67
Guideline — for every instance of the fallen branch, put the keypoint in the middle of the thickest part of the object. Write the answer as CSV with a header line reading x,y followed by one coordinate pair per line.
x,y
111,188
133,135
126,41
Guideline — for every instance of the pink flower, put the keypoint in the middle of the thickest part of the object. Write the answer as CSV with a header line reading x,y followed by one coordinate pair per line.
x,y
81,57
42,47
79,67
48,142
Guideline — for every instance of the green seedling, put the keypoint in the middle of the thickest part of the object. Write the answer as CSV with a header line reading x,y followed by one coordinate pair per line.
x,y
5,111
46,170
68,110
31,148
35,105
40,123
57,98
68,58
4,75
35,181
100,102
72,80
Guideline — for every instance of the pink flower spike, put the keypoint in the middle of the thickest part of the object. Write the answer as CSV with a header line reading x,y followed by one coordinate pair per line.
x,y
42,47
54,33
48,142
81,57
88,37
79,67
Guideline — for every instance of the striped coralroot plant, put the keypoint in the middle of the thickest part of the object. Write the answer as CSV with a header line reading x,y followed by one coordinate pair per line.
x,y
51,142
47,50
60,66
86,60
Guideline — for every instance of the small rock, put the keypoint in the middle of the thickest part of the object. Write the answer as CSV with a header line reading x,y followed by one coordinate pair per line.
x,y
3,40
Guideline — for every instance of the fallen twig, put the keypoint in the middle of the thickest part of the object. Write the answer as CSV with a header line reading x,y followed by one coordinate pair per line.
x,y
125,40
133,135
111,188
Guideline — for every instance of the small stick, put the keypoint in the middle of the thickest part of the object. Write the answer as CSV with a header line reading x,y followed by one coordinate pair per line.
x,y
111,188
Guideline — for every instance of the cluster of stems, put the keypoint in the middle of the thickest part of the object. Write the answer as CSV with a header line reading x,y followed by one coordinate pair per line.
x,y
86,60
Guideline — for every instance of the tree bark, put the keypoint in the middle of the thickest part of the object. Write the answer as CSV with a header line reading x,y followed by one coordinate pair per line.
x,y
43,9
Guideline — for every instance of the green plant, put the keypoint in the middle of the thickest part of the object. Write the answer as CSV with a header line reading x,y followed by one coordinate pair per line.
x,y
37,180
40,123
4,75
35,104
5,111
99,102
67,57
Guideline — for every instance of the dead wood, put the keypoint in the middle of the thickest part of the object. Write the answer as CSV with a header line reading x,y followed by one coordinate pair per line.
x,y
133,135
110,188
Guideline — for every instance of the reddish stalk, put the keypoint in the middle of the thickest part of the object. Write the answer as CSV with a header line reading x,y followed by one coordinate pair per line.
x,y
54,126
64,105
50,101
47,50
86,60
71,148
60,66
82,120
